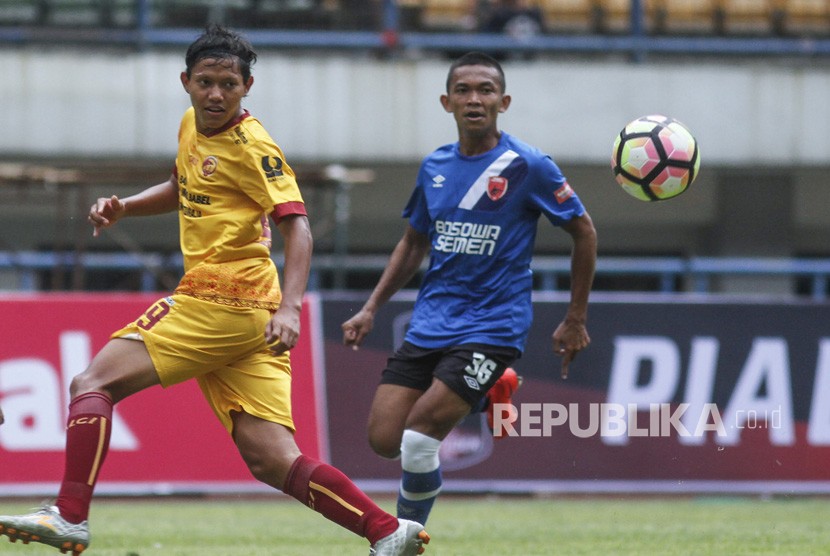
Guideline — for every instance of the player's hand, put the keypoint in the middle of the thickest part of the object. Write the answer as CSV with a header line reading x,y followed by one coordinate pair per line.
x,y
357,327
105,212
569,338
283,330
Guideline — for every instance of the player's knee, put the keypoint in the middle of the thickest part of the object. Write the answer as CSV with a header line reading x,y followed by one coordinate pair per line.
x,y
261,471
83,383
268,470
385,447
385,440
419,452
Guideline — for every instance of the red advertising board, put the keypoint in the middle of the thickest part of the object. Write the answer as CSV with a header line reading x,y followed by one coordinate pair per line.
x,y
163,440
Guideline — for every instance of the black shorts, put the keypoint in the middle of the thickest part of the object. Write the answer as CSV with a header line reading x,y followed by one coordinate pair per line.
x,y
468,369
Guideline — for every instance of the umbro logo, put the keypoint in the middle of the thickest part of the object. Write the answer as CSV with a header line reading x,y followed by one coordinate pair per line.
x,y
472,383
438,181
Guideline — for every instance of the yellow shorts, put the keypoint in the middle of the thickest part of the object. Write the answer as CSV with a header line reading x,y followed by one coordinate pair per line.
x,y
224,349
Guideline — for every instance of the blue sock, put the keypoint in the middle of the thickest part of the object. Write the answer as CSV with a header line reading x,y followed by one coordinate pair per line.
x,y
417,495
421,477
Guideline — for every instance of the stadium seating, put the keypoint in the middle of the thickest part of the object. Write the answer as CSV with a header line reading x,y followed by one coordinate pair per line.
x,y
615,15
684,16
798,18
17,13
739,17
78,13
802,17
448,15
570,15
196,13
175,13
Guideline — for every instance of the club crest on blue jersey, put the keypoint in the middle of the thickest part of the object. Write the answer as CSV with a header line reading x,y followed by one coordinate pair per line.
x,y
491,192
496,187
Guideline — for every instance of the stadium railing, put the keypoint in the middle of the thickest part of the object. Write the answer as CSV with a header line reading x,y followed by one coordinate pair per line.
x,y
31,271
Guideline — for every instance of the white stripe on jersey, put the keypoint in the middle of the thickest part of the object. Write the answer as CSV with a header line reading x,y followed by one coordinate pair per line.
x,y
479,187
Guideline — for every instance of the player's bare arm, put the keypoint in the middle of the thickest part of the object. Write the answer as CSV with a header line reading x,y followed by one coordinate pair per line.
x,y
284,326
404,262
156,199
571,336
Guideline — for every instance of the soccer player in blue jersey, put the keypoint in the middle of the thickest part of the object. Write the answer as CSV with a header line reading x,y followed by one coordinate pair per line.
x,y
474,209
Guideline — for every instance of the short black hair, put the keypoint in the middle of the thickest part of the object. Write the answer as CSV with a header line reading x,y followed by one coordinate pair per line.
x,y
476,58
220,43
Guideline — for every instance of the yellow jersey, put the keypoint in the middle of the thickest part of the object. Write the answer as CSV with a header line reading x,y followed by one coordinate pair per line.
x,y
229,183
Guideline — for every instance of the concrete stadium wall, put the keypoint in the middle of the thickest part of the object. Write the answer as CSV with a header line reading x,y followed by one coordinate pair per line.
x,y
336,107
762,125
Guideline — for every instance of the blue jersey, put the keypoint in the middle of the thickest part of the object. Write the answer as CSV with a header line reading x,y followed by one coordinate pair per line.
x,y
480,213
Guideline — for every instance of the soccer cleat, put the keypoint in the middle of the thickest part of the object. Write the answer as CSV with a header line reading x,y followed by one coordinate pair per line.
x,y
407,540
46,526
500,393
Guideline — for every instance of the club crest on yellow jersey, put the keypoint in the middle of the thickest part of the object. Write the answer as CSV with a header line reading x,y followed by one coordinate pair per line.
x,y
209,165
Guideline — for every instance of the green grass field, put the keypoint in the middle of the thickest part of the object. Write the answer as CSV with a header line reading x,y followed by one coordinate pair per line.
x,y
461,526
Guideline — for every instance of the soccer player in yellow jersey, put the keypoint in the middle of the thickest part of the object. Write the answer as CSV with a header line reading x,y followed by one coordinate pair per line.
x,y
228,324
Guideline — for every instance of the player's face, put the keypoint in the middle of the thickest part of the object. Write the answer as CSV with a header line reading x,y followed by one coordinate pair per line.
x,y
216,90
475,98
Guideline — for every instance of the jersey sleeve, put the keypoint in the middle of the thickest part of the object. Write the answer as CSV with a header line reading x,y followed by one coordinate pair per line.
x,y
416,209
272,183
552,195
188,121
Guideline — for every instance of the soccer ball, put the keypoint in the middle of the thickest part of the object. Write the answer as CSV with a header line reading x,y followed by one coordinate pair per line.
x,y
655,158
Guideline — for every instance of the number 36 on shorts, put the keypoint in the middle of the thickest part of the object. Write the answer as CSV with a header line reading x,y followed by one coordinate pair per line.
x,y
481,368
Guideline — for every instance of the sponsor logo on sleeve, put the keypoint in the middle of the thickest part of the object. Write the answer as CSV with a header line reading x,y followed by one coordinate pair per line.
x,y
563,193
272,166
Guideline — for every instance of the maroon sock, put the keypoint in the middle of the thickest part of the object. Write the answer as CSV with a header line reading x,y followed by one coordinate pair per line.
x,y
87,440
328,491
